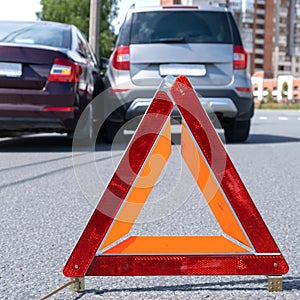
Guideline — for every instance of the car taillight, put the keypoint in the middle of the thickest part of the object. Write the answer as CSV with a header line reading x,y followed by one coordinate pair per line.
x,y
60,108
240,57
64,70
121,58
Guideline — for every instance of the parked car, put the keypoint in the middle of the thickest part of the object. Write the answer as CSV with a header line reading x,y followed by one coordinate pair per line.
x,y
48,76
202,43
103,65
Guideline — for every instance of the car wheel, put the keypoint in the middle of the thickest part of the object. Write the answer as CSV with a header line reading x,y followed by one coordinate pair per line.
x,y
84,133
98,85
237,131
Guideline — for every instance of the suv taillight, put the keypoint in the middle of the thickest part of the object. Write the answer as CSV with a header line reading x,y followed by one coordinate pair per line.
x,y
240,57
121,58
64,70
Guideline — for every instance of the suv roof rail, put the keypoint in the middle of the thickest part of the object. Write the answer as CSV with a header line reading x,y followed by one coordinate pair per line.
x,y
180,6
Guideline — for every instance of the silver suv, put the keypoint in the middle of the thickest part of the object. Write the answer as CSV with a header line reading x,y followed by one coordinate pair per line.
x,y
201,43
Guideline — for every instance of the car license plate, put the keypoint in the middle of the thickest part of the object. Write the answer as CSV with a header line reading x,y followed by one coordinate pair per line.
x,y
182,69
10,69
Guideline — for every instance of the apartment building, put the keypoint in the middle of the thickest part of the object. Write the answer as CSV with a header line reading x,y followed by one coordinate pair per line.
x,y
276,38
169,2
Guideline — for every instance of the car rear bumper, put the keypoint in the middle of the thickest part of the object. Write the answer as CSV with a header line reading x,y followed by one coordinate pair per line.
x,y
31,124
36,118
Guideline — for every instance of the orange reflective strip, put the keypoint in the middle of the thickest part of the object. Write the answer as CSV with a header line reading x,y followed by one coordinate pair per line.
x,y
175,245
210,189
141,189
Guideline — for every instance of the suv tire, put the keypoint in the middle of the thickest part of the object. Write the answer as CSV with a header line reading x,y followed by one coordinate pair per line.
x,y
237,131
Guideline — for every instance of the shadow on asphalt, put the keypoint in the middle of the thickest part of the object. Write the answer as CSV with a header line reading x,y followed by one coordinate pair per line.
x,y
44,143
60,143
289,283
270,139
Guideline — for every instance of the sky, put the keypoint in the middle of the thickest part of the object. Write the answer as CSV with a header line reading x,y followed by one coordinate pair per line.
x,y
19,9
25,9
124,5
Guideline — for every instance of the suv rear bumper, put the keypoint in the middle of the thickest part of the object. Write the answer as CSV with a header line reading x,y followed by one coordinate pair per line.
x,y
224,105
227,104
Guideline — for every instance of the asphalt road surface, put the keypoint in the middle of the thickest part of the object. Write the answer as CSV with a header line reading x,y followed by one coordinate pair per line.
x,y
48,192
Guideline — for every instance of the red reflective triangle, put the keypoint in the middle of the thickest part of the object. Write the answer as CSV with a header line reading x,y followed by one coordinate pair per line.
x,y
255,253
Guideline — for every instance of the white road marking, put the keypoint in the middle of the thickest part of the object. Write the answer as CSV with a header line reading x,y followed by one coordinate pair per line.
x,y
263,118
283,118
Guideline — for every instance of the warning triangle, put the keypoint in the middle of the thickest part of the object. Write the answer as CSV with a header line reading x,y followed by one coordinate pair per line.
x,y
246,245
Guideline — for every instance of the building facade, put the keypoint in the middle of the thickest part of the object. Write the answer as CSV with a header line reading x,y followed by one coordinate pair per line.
x,y
169,2
280,89
276,38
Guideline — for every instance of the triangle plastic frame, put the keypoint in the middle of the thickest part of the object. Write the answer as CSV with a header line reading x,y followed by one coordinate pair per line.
x,y
246,248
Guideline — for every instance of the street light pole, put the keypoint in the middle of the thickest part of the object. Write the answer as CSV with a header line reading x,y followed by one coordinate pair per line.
x,y
94,25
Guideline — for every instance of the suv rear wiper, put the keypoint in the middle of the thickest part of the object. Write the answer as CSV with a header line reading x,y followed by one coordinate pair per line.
x,y
169,40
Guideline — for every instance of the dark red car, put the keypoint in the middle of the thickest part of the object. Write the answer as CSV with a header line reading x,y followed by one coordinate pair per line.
x,y
48,75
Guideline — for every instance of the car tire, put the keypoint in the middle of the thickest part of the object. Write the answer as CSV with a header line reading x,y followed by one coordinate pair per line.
x,y
98,85
84,134
237,131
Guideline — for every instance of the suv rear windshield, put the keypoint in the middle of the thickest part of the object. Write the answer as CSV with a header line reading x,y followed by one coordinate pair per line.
x,y
180,27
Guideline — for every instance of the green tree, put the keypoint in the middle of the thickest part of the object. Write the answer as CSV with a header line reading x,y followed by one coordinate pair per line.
x,y
269,97
77,12
108,12
284,92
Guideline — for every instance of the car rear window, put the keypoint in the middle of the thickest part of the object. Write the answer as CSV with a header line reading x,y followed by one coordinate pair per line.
x,y
180,26
36,34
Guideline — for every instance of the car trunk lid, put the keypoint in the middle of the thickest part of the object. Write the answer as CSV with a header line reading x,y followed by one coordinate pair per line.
x,y
26,67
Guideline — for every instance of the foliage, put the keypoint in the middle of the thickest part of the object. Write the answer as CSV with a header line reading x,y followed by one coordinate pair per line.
x,y
284,90
269,97
282,105
108,12
77,12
